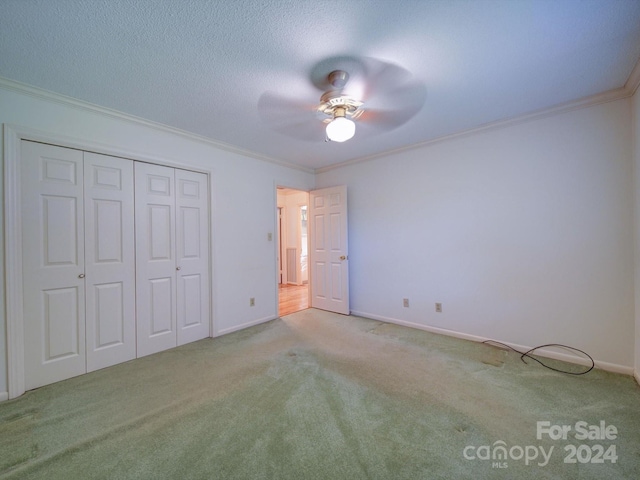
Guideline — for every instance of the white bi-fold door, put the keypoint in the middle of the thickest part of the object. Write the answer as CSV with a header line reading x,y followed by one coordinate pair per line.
x,y
192,256
78,274
172,257
109,260
53,263
115,260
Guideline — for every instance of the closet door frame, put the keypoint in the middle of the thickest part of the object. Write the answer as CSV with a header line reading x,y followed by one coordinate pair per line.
x,y
13,289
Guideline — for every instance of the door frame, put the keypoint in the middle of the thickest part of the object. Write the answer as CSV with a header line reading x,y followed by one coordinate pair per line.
x,y
281,228
277,185
14,315
299,275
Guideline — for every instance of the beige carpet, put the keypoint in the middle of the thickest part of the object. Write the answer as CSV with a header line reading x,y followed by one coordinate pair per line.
x,y
322,396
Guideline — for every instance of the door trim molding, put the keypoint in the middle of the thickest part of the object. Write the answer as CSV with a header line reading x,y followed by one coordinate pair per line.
x,y
14,315
13,261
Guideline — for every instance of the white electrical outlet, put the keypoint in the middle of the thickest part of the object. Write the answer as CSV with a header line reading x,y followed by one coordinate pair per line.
x,y
438,307
252,302
405,302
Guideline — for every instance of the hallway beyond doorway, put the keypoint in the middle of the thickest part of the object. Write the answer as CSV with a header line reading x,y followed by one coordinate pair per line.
x,y
292,250
292,298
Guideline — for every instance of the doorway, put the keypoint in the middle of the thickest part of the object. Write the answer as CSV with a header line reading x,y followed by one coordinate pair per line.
x,y
292,248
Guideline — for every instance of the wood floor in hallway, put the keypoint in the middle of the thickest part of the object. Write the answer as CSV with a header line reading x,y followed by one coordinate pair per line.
x,y
292,298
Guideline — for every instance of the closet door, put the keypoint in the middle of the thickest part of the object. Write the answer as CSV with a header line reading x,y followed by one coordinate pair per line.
x,y
53,263
109,260
155,258
192,245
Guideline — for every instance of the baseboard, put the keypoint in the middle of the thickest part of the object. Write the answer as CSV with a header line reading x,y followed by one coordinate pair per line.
x,y
242,326
404,323
4,396
610,367
636,375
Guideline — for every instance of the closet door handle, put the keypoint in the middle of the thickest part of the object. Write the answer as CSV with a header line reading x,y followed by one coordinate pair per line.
x,y
178,268
81,275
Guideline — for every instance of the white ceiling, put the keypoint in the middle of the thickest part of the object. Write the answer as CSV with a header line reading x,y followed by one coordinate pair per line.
x,y
202,65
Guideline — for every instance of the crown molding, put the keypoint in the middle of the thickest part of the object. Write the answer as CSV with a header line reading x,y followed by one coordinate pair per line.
x,y
585,102
65,100
634,79
628,90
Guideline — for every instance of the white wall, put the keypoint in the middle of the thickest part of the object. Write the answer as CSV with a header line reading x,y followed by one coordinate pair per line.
x,y
524,233
244,260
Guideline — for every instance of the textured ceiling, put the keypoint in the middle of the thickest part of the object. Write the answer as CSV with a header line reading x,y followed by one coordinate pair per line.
x,y
202,66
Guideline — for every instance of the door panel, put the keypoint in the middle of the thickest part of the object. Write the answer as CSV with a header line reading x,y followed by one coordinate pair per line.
x,y
107,244
109,314
318,231
110,257
161,293
61,324
155,258
60,216
189,222
329,249
192,304
160,233
192,243
336,281
336,231
53,263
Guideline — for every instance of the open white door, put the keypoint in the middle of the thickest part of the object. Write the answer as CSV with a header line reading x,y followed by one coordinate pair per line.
x,y
329,254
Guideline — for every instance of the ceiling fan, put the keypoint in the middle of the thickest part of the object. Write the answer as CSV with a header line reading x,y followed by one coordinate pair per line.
x,y
378,96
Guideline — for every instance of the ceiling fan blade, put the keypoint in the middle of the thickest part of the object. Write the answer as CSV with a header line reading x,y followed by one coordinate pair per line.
x,y
291,117
395,108
275,107
383,120
382,78
309,131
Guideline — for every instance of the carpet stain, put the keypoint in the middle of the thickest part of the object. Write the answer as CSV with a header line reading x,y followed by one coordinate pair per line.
x,y
495,357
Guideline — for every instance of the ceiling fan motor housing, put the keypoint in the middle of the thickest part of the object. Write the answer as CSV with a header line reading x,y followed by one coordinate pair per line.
x,y
335,104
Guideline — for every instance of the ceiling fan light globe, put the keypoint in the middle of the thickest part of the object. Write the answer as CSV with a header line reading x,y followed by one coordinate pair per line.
x,y
341,129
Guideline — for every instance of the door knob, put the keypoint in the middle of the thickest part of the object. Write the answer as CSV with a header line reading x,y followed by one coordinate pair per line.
x,y
178,268
81,275
343,257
